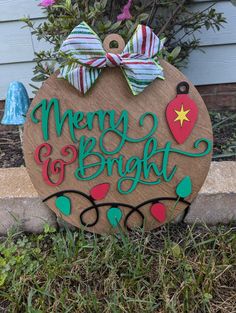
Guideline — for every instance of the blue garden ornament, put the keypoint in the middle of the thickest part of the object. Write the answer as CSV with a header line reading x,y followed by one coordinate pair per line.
x,y
16,105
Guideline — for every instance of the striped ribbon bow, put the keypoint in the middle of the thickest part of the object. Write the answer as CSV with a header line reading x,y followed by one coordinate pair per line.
x,y
138,61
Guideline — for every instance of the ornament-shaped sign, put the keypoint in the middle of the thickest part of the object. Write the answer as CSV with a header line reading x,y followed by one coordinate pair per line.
x,y
109,149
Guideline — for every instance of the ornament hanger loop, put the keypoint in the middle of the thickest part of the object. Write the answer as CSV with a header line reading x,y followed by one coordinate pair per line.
x,y
183,88
107,44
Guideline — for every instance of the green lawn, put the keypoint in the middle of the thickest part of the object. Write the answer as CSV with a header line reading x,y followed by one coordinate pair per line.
x,y
174,269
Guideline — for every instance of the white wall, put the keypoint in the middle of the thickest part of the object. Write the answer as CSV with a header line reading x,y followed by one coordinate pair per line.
x,y
216,65
16,44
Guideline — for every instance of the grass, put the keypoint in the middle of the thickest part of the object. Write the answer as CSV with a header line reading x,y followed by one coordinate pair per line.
x,y
174,269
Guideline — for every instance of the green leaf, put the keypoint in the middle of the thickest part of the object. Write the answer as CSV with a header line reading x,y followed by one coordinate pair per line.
x,y
3,277
142,17
175,53
207,297
115,26
97,6
38,78
103,3
128,24
176,250
49,229
59,6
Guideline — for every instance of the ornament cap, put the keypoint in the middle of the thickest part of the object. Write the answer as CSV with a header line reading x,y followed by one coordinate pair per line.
x,y
114,38
182,88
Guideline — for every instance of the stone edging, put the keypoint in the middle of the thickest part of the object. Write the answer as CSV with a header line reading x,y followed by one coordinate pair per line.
x,y
21,206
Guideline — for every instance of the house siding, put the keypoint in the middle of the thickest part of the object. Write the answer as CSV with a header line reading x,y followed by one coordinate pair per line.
x,y
215,65
215,62
17,45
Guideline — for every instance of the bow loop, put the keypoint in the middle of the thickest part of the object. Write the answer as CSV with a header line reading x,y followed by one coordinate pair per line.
x,y
144,43
138,60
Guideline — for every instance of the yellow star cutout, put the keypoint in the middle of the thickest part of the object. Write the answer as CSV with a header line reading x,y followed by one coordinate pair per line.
x,y
182,115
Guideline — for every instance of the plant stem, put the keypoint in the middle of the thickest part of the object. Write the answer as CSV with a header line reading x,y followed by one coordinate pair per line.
x,y
193,17
152,13
171,18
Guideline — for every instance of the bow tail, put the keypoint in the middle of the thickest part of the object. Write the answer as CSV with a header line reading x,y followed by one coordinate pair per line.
x,y
81,77
141,73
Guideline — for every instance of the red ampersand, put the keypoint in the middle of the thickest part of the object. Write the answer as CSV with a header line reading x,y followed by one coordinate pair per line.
x,y
56,167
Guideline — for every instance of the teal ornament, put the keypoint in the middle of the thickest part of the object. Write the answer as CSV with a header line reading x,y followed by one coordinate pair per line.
x,y
63,204
16,105
114,215
184,188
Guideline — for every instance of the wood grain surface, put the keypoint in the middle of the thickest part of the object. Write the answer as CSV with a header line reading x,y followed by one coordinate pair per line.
x,y
112,92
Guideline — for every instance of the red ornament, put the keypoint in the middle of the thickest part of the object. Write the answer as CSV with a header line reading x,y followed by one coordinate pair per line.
x,y
182,114
158,211
100,191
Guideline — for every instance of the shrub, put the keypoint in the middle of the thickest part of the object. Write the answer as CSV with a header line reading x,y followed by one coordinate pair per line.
x,y
172,19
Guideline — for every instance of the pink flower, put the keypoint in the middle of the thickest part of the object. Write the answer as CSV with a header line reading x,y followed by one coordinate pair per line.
x,y
125,15
47,3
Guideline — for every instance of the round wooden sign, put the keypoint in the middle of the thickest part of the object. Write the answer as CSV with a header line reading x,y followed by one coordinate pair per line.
x,y
109,160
